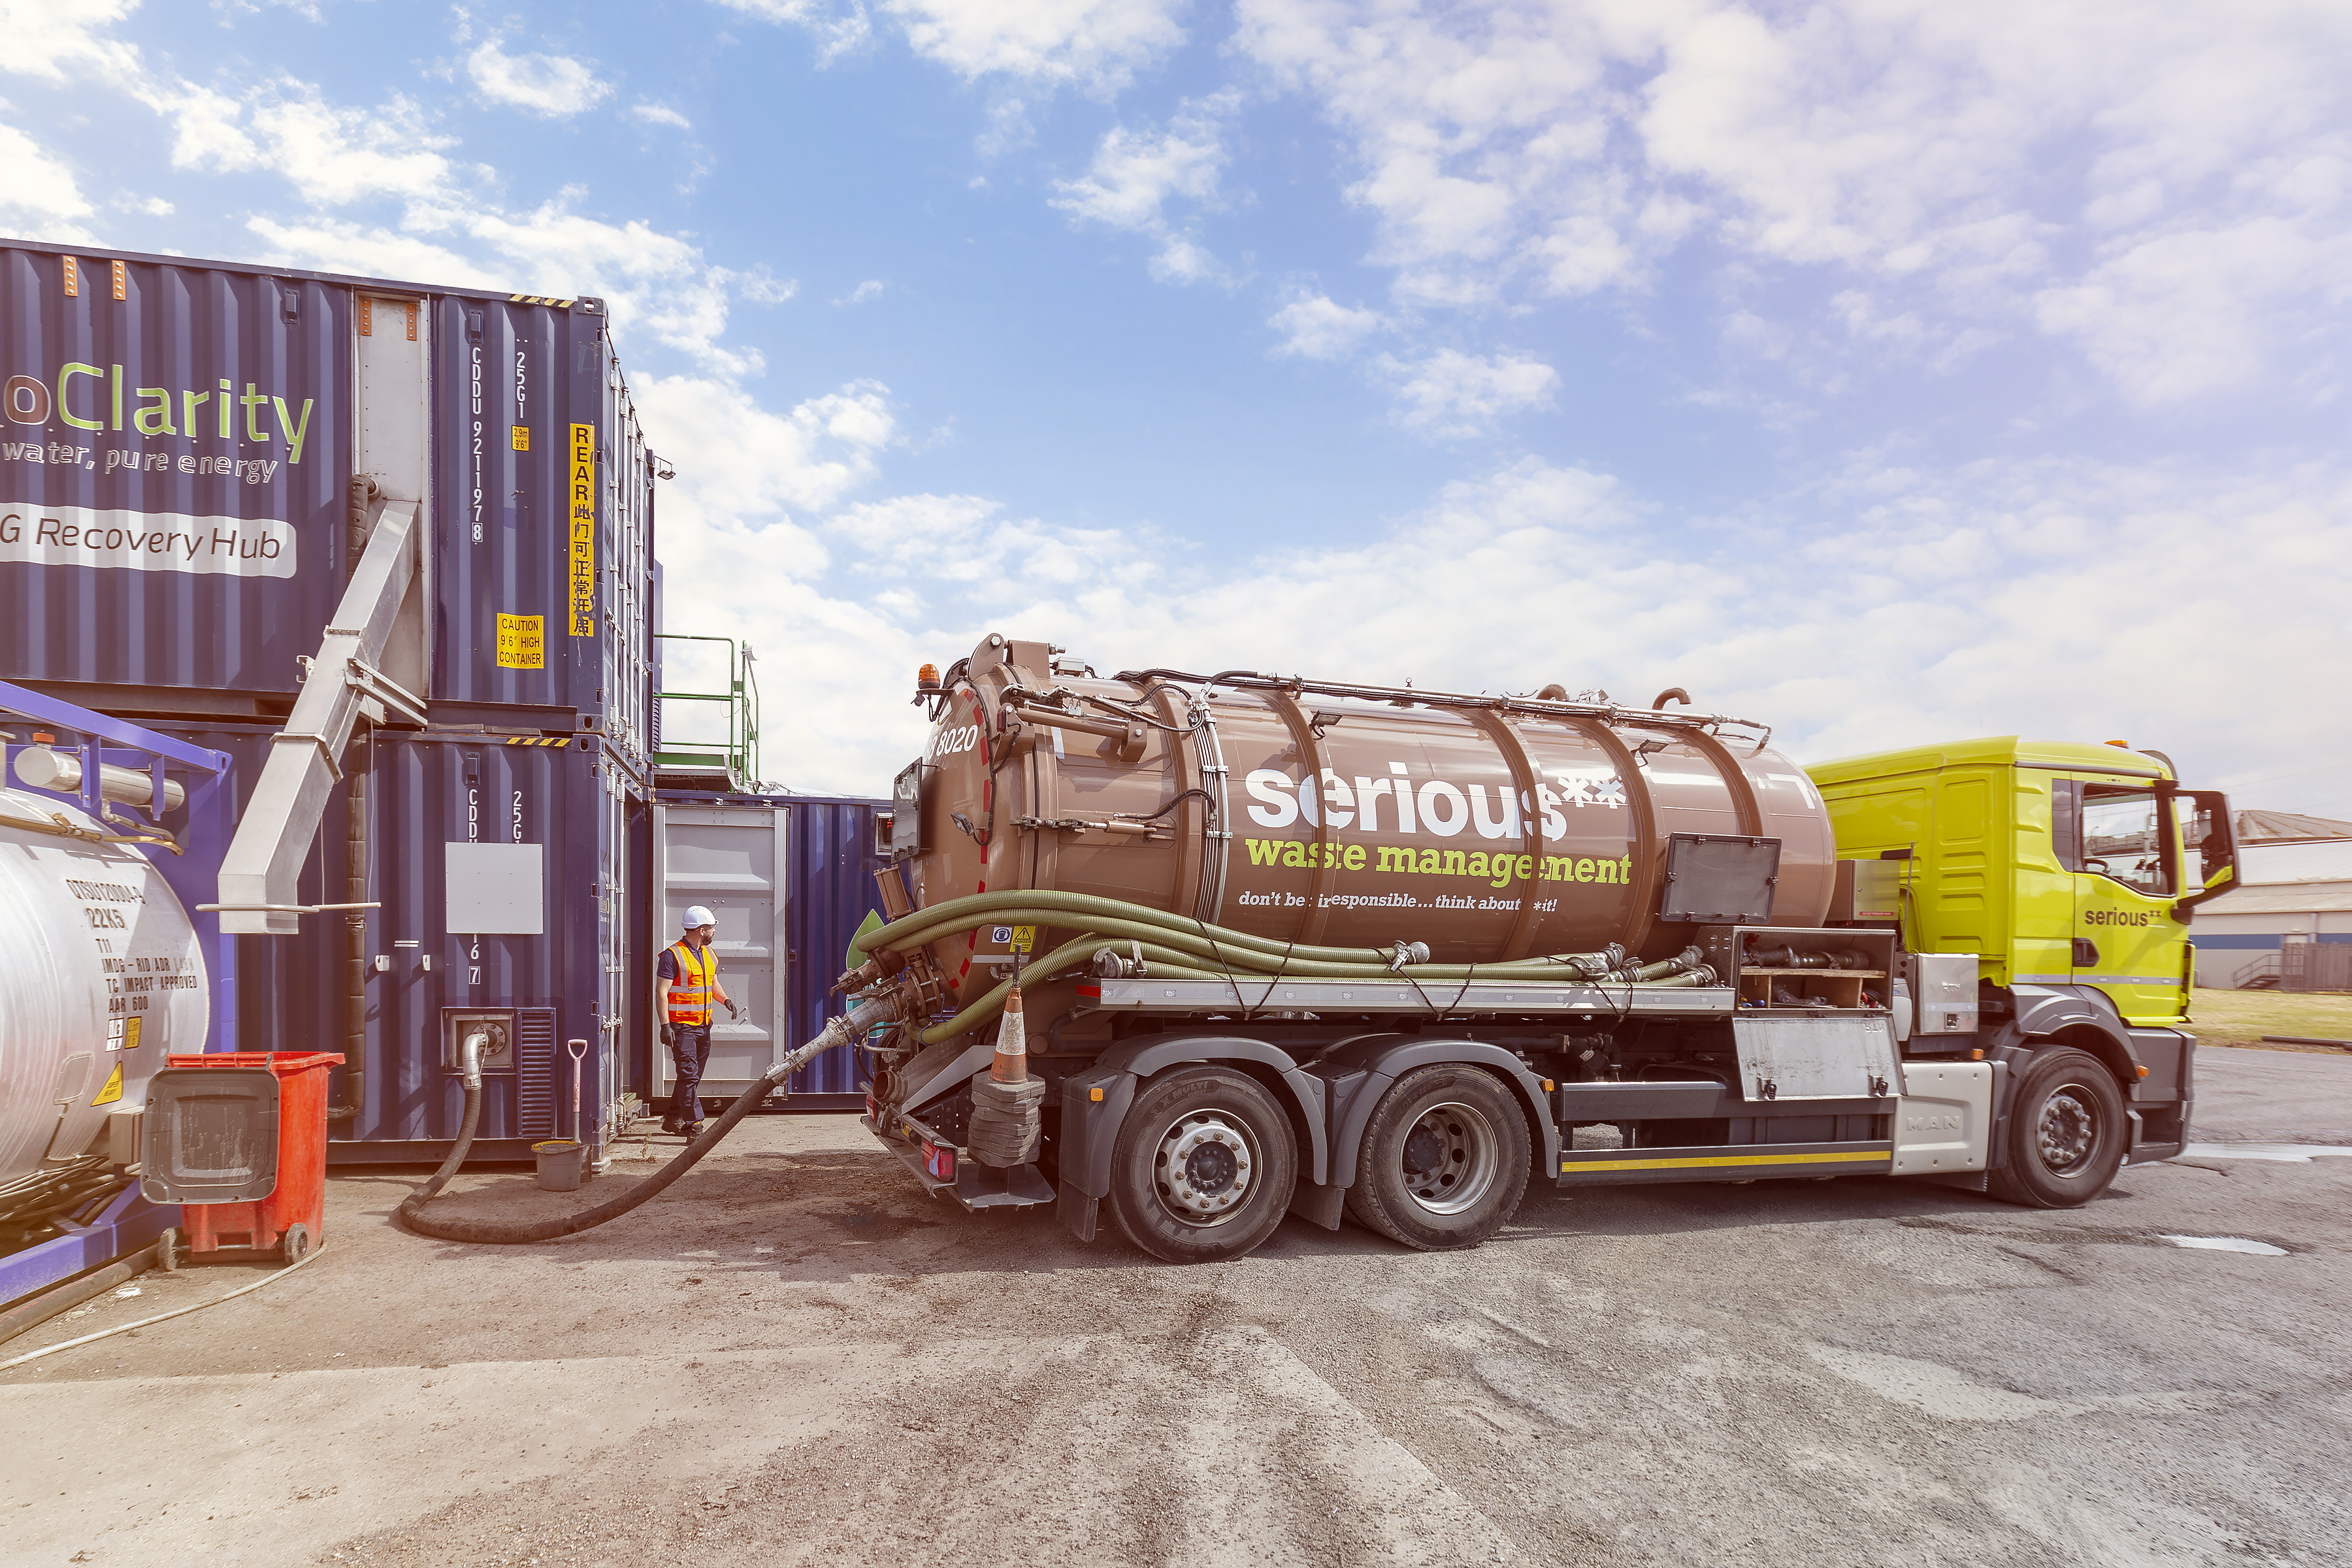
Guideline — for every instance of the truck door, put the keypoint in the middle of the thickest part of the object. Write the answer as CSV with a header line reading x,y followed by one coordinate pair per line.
x,y
2124,857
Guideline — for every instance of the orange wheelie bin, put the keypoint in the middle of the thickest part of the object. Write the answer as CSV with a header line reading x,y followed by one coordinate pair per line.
x,y
238,1140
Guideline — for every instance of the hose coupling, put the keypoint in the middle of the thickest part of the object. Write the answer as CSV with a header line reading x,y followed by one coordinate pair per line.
x,y
1110,965
866,1013
886,964
469,1057
1404,953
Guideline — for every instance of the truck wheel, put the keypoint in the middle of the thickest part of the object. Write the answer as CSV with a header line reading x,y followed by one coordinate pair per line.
x,y
2067,1132
1204,1166
1444,1161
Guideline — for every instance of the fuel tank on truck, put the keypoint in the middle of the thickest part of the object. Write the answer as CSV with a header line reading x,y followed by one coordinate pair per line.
x,y
103,978
1490,829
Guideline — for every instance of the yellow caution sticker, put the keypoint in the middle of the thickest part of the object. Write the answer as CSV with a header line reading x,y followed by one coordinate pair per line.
x,y
522,438
1025,939
113,1089
522,642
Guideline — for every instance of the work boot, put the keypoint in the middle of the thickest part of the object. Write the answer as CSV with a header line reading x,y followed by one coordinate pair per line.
x,y
693,1131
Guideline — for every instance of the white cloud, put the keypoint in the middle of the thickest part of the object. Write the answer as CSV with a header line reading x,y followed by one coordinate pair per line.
x,y
1314,326
1135,175
839,27
657,114
551,85
1959,592
38,191
336,154
1132,174
1940,156
46,36
336,245
2178,315
1094,43
869,290
657,284
1453,393
739,463
762,287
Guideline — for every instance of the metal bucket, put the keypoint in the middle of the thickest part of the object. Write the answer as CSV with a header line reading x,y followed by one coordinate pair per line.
x,y
559,1163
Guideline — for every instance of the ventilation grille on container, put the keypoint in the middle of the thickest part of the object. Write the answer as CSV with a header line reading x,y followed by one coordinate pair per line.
x,y
535,1071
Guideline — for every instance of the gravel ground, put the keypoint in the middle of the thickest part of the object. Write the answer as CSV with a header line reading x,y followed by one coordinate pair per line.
x,y
797,1357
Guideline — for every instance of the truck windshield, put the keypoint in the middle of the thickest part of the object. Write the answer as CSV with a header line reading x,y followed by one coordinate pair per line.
x,y
2121,839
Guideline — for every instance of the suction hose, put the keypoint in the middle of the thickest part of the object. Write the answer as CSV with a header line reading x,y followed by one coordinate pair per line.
x,y
845,1030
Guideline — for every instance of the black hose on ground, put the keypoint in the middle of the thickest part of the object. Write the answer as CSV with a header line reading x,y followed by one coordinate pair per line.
x,y
412,1212
845,1030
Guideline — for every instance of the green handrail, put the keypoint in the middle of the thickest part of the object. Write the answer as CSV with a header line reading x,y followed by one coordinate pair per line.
x,y
739,755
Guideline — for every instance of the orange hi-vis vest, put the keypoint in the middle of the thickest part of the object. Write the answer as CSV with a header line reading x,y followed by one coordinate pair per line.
x,y
689,994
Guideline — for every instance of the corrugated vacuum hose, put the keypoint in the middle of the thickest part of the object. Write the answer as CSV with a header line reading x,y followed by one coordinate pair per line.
x,y
845,1030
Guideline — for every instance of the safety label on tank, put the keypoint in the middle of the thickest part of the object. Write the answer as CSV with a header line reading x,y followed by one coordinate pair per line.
x,y
146,541
113,1089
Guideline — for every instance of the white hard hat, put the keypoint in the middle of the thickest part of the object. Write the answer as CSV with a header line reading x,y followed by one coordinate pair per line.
x,y
696,915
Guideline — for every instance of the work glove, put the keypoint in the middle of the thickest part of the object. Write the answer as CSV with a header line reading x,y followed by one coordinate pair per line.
x,y
734,1012
669,1036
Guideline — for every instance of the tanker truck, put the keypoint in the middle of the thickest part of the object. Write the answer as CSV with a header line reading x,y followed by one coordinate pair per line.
x,y
1207,951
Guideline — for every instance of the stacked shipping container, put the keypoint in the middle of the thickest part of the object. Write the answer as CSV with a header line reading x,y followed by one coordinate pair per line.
x,y
194,454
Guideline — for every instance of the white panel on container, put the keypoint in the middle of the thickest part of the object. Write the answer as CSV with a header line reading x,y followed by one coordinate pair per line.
x,y
494,889
730,859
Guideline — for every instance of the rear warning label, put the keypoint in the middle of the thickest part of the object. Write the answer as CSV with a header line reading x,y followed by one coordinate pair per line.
x,y
583,509
146,541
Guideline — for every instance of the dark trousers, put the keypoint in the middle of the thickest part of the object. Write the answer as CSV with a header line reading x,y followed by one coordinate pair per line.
x,y
691,1050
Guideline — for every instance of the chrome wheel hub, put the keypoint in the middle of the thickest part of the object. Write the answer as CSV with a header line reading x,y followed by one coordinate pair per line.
x,y
2067,1132
1452,1156
1206,1166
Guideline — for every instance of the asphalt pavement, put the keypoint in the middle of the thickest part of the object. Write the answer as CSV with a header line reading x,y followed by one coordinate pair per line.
x,y
795,1356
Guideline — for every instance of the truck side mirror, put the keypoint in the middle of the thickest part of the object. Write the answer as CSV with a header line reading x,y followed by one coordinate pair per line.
x,y
2218,849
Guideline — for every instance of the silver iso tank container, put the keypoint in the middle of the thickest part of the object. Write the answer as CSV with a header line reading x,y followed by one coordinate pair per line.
x,y
190,450
104,978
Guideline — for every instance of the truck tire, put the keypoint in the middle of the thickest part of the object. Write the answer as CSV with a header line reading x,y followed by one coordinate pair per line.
x,y
1204,1166
2067,1132
1444,1161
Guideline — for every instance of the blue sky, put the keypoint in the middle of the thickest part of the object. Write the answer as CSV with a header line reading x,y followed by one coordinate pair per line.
x,y
1885,370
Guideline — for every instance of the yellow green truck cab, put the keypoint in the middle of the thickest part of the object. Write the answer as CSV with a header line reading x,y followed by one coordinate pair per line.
x,y
2071,872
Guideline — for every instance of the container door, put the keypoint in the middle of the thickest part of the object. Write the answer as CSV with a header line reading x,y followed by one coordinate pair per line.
x,y
2125,940
730,859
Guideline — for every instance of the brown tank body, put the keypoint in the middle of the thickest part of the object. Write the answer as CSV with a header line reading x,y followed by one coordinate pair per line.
x,y
1489,832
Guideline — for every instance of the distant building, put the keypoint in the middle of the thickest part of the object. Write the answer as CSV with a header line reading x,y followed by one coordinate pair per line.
x,y
2295,889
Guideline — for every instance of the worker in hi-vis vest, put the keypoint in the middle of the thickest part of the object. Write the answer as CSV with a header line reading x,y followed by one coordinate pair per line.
x,y
689,975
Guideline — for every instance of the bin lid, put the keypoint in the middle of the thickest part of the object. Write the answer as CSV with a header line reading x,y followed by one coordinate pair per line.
x,y
285,1064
